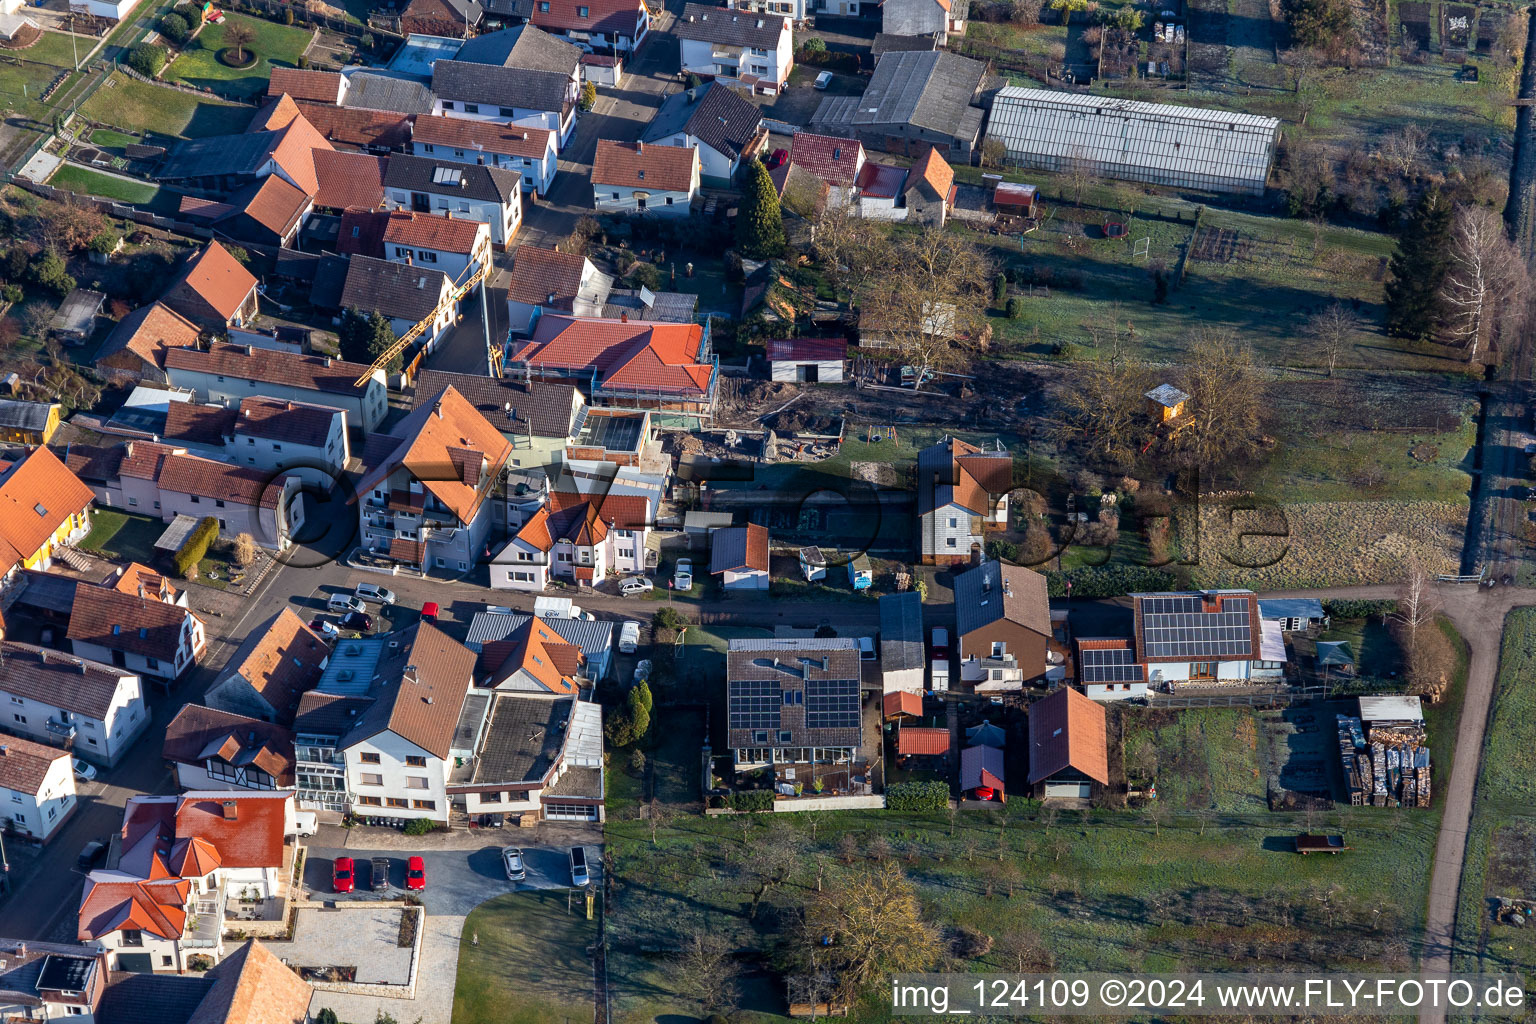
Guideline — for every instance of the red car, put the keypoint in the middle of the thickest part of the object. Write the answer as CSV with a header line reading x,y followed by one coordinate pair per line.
x,y
778,157
416,874
429,611
342,875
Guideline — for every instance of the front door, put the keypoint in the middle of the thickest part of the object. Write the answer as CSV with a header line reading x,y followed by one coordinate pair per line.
x,y
812,373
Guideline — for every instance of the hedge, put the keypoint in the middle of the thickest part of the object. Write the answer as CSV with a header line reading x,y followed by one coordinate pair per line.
x,y
1359,608
1109,580
925,795
195,546
751,800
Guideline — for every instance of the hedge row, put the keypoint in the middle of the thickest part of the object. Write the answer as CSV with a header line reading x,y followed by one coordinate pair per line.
x,y
925,795
1109,580
195,546
1359,608
751,800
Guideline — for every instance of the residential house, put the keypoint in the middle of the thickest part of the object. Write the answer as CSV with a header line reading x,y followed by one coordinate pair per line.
x,y
441,17
739,556
43,507
135,350
275,665
619,26
146,636
755,50
367,90
534,659
1068,746
457,247
267,212
1107,669
424,494
903,656
298,438
813,564
634,177
1002,625
469,191
491,93
214,749
725,127
1200,638
962,494
28,423
929,745
51,981
529,151
490,636
835,162
523,46
575,536
279,140
793,705
380,732
405,293
352,129
37,788
215,291
158,903
807,360
541,759
629,364
914,100
932,18
550,281
229,374
538,418
929,192
795,10
242,499
93,709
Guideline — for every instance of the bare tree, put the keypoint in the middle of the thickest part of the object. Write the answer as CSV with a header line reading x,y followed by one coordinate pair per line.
x,y
931,292
1021,950
704,970
1079,169
1404,149
1333,328
239,35
1227,398
1103,409
773,861
660,816
851,249
1486,275
875,922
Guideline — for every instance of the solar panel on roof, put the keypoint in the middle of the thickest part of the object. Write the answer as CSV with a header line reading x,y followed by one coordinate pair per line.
x,y
832,703
755,704
1110,666
1178,627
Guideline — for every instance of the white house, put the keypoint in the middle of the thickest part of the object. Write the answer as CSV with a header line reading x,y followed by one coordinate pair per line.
x,y
144,635
453,245
229,374
636,177
269,434
754,50
962,492
553,281
577,536
541,758
807,360
1107,669
726,128
739,556
530,151
215,749
616,25
1200,638
486,92
470,191
795,10
97,709
242,499
37,787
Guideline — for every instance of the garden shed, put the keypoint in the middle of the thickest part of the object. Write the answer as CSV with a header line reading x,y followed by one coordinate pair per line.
x,y
1016,200
77,315
1165,402
807,360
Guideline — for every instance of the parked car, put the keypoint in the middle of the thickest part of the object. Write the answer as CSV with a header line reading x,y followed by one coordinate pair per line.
x,y
342,878
636,585
579,876
824,79
305,823
374,592
429,611
378,874
83,769
344,603
778,158
682,574
415,874
325,627
90,853
360,621
940,642
512,860
629,637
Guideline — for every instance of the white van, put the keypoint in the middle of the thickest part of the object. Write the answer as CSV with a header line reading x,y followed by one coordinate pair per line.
x,y
629,637
305,823
374,592
345,603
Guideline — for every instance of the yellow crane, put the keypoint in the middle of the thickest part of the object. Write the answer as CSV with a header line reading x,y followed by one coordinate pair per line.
x,y
449,301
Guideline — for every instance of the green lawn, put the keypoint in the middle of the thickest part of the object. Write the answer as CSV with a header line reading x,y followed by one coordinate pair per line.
x,y
127,103
123,536
114,141
523,960
58,49
1200,759
200,66
22,84
79,179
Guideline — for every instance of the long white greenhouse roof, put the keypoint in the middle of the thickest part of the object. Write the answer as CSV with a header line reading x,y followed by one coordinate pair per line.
x,y
1070,125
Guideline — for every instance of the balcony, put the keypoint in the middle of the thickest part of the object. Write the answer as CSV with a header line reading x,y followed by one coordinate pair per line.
x,y
63,730
730,57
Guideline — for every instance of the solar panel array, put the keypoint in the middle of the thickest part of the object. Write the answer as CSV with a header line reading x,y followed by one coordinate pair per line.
x,y
832,703
1177,627
1112,666
755,704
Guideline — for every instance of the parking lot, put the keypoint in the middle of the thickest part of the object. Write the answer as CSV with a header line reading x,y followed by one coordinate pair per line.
x,y
457,880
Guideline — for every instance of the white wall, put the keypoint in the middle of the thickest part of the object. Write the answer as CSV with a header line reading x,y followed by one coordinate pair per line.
x,y
504,220
191,640
393,750
537,174
39,813
1114,691
619,199
95,740
364,409
752,579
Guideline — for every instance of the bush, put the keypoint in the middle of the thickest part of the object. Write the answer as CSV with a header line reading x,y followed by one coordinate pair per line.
x,y
926,795
147,59
192,14
814,45
752,800
670,618
588,96
288,16
195,546
51,272
645,275
12,293
1015,308
419,827
245,550
1359,608
1109,580
174,27
1000,289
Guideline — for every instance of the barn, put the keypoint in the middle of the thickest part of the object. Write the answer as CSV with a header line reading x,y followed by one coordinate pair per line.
x,y
807,360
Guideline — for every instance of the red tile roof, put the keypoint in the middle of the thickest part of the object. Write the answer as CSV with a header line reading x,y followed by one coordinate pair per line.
x,y
157,907
281,660
423,447
251,838
613,17
294,153
252,986
489,136
806,349
833,160
922,741
1066,730
221,481
932,168
276,205
362,233
349,179
538,273
133,576
190,423
358,126
127,622
902,702
148,331
626,354
547,657
219,279
311,373
37,497
322,86
645,166
427,231
142,459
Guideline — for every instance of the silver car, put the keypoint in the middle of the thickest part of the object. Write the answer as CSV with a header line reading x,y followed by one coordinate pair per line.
x,y
512,860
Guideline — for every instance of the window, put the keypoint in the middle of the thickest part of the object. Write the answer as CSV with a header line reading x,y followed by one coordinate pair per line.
x,y
17,700
999,648
15,798
581,12
949,542
218,503
490,798
414,761
370,801
508,112
415,782
131,937
425,148
165,960
395,801
370,779
543,6
404,253
133,502
196,500
20,718
368,758
52,811
447,105
953,522
424,805
669,200
1202,670
471,108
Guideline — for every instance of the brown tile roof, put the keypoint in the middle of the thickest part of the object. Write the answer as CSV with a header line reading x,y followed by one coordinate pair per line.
x,y
278,114
806,349
346,180
190,423
25,764
638,165
932,168
1066,730
313,373
358,126
301,84
123,622
362,233
219,279
538,273
75,684
613,17
147,332
638,354
294,152
252,986
280,661
133,576
489,136
221,481
198,733
411,293
276,205
37,496
922,741
551,660
739,548
278,419
423,704
625,511
426,231
142,459
902,702
157,907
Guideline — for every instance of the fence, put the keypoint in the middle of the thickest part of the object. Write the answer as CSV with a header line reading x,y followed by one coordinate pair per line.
x,y
112,209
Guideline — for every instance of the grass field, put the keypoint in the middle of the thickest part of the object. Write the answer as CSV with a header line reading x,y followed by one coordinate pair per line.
x,y
22,84
80,179
128,103
199,65
523,960
1202,759
58,49
123,536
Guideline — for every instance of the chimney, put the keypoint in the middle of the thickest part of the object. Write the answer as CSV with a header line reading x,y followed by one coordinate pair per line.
x,y
551,299
231,810
437,407
250,350
639,148
623,317
5,751
327,362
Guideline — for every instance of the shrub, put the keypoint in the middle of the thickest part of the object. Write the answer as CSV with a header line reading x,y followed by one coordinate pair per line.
x,y
637,763
1109,580
925,795
751,800
419,827
12,293
367,42
195,546
588,96
147,59
288,16
1000,289
192,14
51,272
1015,308
245,549
1359,608
669,618
814,45
645,275
103,242
174,27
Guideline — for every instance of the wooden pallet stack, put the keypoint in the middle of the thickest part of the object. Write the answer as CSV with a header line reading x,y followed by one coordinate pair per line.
x,y
1357,769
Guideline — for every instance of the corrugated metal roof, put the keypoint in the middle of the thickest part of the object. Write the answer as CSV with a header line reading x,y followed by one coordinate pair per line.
x,y
1391,708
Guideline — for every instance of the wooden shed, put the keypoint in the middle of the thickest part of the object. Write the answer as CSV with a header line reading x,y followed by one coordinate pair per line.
x,y
1016,200
1165,402
807,360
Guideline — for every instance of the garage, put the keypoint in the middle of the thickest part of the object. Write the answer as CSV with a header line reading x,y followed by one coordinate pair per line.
x,y
807,360
570,812
1069,790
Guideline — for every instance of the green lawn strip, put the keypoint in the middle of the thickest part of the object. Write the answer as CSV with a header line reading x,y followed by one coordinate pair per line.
x,y
22,85
106,138
1443,718
523,960
106,186
275,44
57,49
123,535
128,103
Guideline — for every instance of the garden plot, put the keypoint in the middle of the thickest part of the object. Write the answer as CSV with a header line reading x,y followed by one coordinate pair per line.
x,y
1298,751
